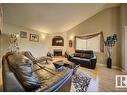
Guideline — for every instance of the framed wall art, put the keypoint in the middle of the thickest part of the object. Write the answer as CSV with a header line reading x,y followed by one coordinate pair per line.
x,y
34,37
23,34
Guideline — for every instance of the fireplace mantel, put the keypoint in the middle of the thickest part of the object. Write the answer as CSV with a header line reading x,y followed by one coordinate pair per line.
x,y
61,47
57,41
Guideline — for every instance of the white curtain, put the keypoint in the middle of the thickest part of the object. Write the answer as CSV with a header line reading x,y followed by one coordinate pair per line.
x,y
80,44
88,44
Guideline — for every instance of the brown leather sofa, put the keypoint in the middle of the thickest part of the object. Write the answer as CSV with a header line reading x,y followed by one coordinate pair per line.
x,y
22,72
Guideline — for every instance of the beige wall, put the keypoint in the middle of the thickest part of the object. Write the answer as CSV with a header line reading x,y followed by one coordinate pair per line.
x,y
37,48
107,21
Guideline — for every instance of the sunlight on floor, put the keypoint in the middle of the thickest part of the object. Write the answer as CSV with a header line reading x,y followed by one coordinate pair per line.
x,y
103,79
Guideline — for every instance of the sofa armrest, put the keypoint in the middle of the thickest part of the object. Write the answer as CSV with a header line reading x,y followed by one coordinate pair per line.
x,y
93,58
10,82
72,55
93,62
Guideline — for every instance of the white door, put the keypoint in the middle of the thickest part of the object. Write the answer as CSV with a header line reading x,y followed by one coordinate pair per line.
x,y
125,48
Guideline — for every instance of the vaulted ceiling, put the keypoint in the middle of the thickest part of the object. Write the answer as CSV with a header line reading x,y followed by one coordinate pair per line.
x,y
50,18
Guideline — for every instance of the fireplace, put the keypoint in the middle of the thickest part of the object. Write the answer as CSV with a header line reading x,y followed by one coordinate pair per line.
x,y
57,52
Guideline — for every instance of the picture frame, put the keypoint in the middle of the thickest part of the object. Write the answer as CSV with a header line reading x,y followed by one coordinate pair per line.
x,y
34,37
23,34
70,43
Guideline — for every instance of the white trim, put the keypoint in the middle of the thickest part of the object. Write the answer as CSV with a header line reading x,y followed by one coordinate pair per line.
x,y
114,67
125,49
100,64
124,71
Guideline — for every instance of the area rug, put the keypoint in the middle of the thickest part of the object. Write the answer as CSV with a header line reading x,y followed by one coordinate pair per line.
x,y
80,82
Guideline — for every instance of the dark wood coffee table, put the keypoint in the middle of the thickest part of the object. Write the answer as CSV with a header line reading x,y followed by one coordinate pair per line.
x,y
68,64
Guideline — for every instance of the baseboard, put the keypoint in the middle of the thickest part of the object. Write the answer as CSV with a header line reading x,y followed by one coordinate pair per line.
x,y
114,67
124,71
101,64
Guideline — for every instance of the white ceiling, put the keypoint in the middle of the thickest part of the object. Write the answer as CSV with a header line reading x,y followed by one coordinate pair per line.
x,y
50,18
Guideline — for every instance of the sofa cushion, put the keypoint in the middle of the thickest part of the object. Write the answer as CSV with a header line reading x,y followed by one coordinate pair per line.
x,y
84,51
80,59
17,59
25,76
87,56
77,54
55,78
23,68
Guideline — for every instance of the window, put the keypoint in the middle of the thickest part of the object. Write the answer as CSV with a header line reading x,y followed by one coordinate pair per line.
x,y
90,42
94,43
80,44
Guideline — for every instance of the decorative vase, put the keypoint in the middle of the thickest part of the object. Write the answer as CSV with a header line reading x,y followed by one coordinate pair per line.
x,y
109,62
109,43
